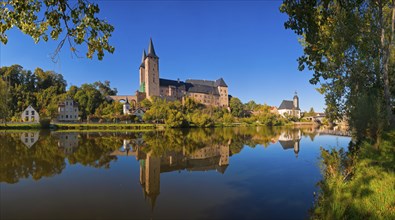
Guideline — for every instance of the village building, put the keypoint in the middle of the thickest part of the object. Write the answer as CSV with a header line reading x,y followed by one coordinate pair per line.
x,y
291,140
127,109
290,108
207,92
67,142
139,113
30,115
30,138
317,117
68,110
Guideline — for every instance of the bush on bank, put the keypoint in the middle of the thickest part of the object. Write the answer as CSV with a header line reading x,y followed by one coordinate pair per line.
x,y
359,184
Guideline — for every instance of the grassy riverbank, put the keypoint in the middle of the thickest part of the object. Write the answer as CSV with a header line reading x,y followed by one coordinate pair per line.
x,y
105,126
77,127
20,126
115,126
369,193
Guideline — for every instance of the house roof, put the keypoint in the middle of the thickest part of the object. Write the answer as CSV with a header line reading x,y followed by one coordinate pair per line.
x,y
30,107
287,144
287,104
62,104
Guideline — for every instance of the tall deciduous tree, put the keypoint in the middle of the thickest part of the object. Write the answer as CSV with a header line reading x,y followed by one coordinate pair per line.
x,y
236,107
75,22
3,100
348,46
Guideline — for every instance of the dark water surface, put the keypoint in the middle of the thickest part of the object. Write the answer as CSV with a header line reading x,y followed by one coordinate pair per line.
x,y
228,173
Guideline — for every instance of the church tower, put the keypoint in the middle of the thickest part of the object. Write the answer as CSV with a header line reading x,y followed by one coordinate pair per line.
x,y
151,69
296,101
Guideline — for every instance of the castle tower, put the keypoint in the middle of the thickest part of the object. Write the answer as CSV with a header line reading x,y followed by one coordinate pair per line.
x,y
142,72
223,92
152,178
151,69
296,101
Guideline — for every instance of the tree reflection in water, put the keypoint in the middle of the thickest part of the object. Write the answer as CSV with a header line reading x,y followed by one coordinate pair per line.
x,y
46,154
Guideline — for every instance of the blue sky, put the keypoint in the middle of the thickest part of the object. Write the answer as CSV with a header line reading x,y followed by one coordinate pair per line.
x,y
242,41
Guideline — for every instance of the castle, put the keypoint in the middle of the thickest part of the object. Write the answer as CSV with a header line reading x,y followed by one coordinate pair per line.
x,y
213,93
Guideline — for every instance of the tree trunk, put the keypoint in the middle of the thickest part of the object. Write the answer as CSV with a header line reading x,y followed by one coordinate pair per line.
x,y
385,57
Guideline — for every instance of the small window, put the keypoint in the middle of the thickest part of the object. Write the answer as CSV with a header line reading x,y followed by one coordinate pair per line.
x,y
27,113
32,112
67,116
67,103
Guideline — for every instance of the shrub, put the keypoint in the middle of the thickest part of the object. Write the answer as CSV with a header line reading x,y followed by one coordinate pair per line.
x,y
45,122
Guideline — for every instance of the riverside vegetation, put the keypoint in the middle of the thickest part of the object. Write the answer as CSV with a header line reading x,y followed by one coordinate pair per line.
x,y
349,45
43,90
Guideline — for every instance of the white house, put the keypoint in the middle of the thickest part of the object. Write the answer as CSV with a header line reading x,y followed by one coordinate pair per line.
x,y
68,110
291,139
289,107
30,115
29,138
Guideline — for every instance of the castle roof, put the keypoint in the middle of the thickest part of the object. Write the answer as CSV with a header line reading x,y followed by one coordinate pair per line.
x,y
151,50
220,82
287,104
201,82
205,89
169,82
143,58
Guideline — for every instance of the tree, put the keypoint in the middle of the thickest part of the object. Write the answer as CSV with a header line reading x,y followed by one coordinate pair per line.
x,y
236,107
105,88
3,100
89,99
251,105
348,46
47,18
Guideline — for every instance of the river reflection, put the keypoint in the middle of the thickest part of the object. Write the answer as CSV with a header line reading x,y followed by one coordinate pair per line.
x,y
28,159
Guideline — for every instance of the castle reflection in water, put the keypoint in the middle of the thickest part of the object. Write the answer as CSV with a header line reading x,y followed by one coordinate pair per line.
x,y
195,151
213,156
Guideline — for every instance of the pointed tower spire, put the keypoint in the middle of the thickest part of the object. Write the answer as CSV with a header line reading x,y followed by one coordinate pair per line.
x,y
142,59
151,50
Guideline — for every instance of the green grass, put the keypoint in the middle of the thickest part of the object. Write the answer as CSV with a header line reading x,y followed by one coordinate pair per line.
x,y
105,126
370,193
20,126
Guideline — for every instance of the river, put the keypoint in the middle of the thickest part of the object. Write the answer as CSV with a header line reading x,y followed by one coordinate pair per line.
x,y
222,173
